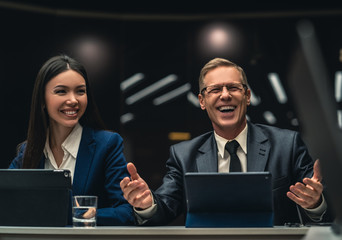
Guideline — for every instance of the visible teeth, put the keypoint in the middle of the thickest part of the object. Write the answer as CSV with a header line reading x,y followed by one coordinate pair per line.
x,y
70,112
226,108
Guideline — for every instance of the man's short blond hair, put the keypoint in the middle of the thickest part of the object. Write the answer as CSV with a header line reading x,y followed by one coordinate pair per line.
x,y
219,62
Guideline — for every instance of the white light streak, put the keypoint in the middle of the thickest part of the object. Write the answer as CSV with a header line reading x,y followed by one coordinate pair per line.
x,y
192,98
339,118
126,118
172,94
294,122
131,81
269,117
338,86
151,89
277,87
255,100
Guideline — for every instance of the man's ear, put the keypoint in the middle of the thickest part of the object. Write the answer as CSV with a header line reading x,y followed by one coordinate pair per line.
x,y
248,95
201,101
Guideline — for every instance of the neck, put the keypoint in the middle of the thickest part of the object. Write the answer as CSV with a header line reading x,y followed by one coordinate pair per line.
x,y
57,136
230,133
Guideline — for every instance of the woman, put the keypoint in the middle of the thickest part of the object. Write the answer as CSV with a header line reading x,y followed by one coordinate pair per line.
x,y
66,132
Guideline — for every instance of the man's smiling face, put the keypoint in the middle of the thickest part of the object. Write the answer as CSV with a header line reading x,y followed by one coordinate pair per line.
x,y
226,109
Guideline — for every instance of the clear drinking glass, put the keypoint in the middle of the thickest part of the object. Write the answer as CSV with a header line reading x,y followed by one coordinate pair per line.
x,y
84,211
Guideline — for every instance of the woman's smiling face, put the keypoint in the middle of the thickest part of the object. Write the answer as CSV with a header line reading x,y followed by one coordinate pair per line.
x,y
66,99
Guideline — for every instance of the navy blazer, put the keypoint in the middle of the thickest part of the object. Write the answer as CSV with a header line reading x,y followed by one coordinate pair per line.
x,y
100,166
279,151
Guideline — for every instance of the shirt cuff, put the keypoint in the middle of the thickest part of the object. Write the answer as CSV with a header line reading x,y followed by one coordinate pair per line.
x,y
143,215
316,214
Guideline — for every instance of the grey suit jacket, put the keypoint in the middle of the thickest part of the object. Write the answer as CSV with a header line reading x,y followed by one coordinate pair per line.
x,y
279,151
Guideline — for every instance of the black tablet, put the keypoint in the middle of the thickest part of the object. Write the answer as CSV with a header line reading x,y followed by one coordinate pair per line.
x,y
34,197
229,199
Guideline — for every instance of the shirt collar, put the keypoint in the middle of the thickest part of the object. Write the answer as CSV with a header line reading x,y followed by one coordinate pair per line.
x,y
241,139
70,144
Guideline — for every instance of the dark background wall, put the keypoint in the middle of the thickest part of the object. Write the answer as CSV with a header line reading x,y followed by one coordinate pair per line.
x,y
114,43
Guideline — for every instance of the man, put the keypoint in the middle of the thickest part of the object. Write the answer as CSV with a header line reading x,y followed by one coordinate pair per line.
x,y
224,94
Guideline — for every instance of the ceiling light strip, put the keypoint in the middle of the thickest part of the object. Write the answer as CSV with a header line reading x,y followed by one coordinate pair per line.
x,y
131,81
255,100
339,118
172,94
151,89
192,98
277,87
127,117
338,86
269,117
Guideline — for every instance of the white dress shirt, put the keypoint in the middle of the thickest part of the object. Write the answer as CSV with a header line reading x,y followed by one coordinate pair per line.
x,y
223,155
70,148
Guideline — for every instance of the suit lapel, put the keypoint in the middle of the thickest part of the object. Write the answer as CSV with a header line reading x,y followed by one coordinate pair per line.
x,y
84,160
258,148
207,156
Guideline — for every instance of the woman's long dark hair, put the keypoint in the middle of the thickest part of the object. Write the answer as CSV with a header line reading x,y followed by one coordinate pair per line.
x,y
39,119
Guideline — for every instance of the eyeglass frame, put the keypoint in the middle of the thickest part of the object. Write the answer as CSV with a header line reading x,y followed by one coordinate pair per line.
x,y
244,86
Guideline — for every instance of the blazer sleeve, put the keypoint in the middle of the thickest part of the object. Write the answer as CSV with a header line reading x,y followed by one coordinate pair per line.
x,y
115,210
18,160
302,165
169,197
302,161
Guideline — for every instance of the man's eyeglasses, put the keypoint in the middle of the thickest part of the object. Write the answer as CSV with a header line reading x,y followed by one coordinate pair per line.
x,y
217,89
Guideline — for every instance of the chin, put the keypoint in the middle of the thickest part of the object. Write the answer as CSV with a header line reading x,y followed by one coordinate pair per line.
x,y
228,123
70,125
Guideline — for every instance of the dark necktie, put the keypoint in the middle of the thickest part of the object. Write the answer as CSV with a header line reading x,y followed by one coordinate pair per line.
x,y
235,165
